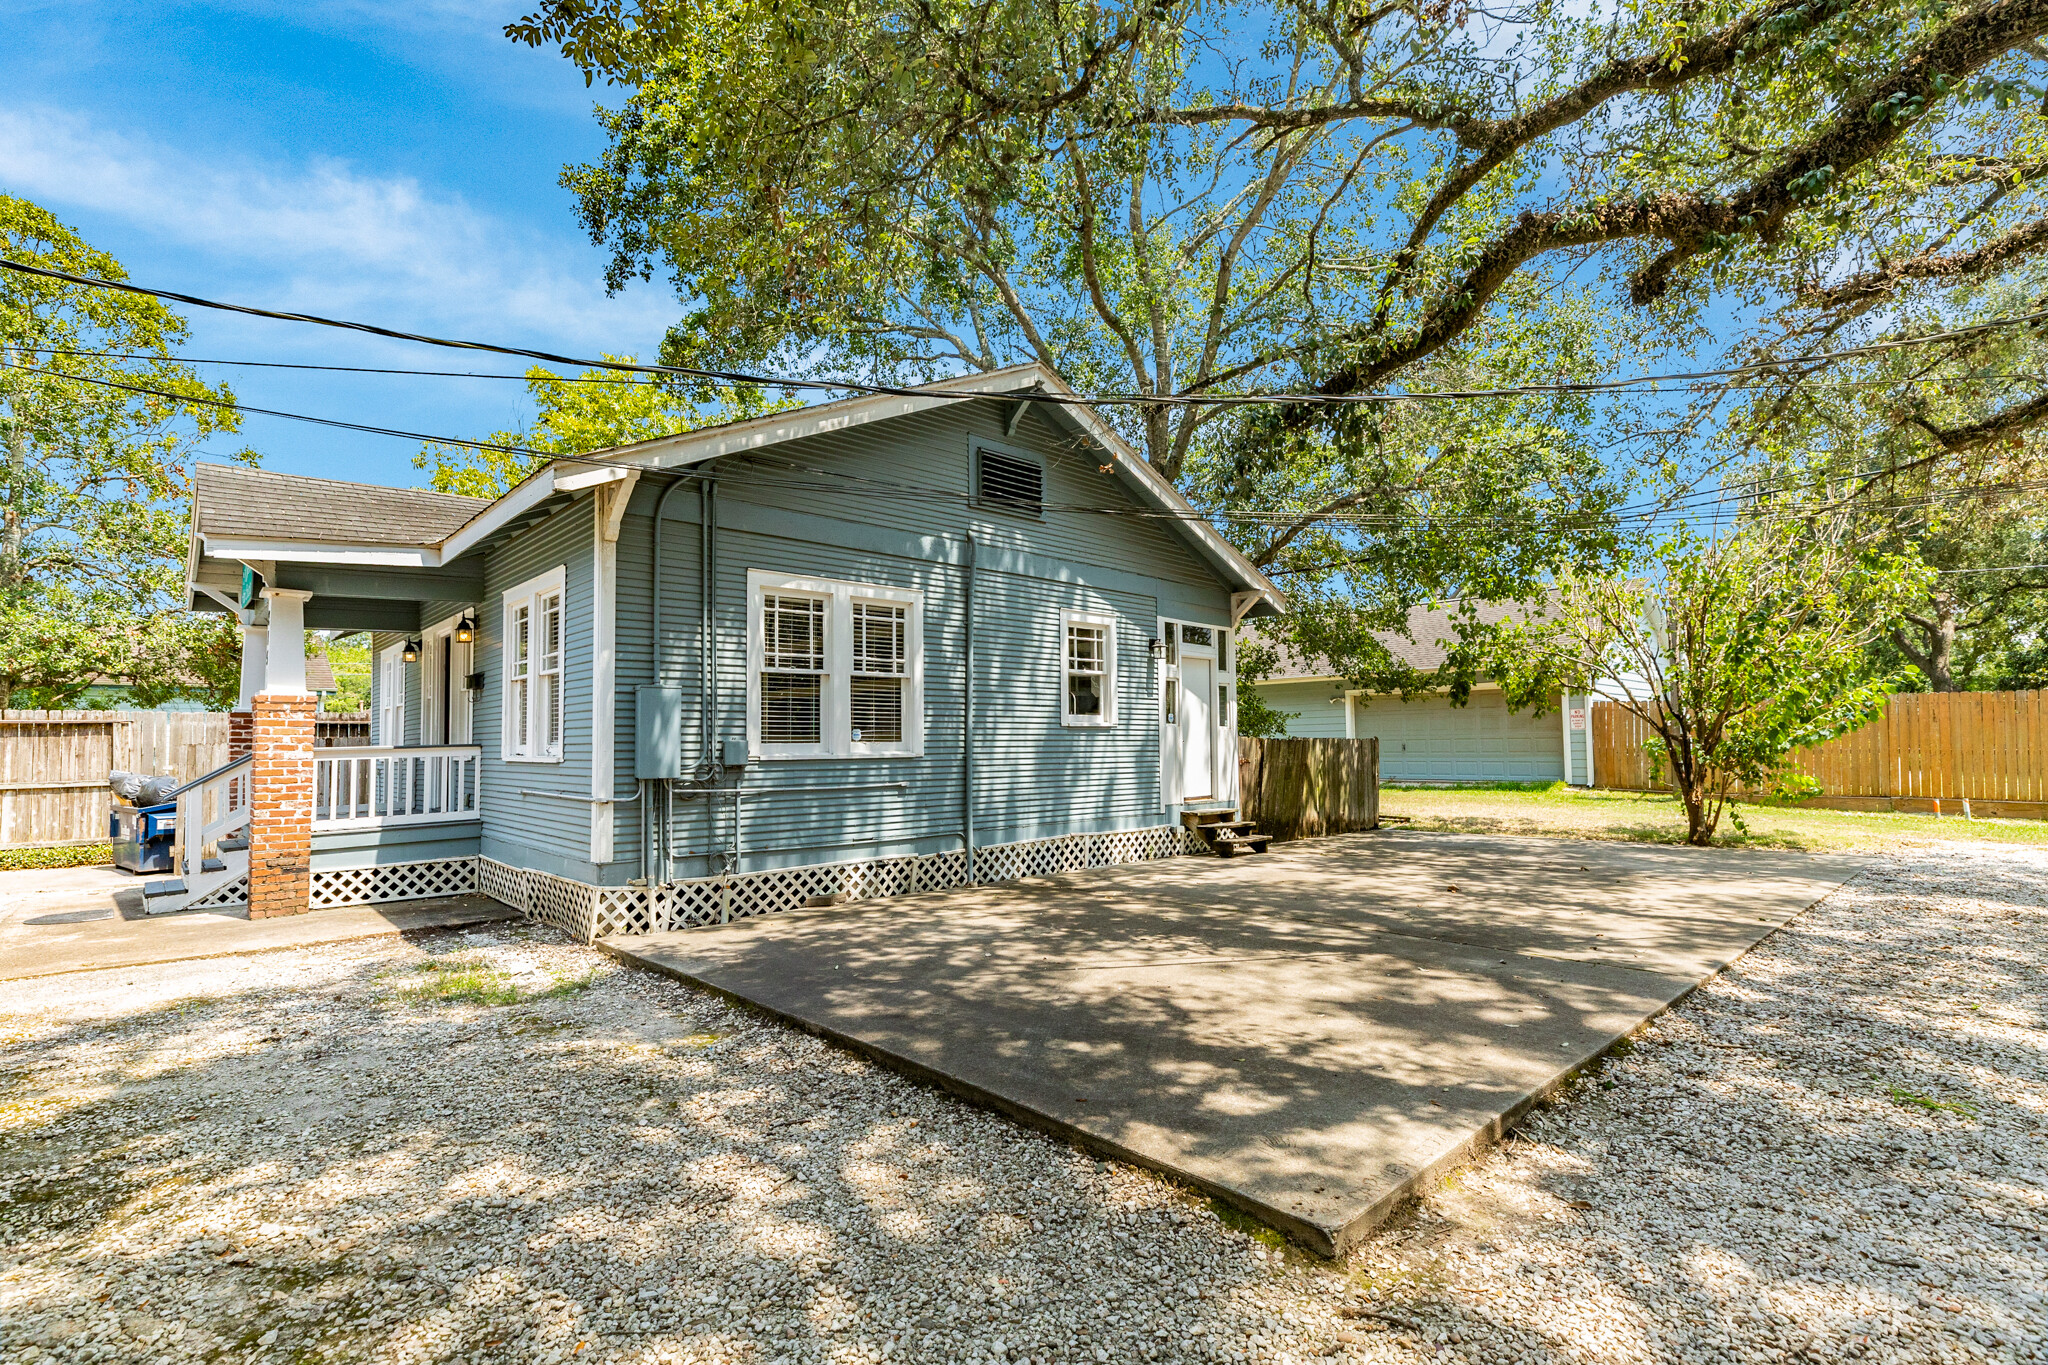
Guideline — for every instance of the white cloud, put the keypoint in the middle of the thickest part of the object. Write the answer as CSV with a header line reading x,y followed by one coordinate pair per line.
x,y
327,237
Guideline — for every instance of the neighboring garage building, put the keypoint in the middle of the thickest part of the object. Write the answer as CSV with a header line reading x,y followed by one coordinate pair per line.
x,y
1427,739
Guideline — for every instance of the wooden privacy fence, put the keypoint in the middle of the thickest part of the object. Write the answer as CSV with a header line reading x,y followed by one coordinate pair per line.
x,y
1299,788
1982,747
54,765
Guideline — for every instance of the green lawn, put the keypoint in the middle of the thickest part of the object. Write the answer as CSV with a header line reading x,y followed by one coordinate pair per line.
x,y
1655,818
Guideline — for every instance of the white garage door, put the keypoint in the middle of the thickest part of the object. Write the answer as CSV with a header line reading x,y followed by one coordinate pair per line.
x,y
1430,740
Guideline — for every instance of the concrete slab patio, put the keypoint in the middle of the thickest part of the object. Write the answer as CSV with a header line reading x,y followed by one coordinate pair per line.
x,y
1308,1035
79,919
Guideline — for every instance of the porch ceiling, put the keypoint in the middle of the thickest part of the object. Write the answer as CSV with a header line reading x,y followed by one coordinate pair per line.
x,y
344,598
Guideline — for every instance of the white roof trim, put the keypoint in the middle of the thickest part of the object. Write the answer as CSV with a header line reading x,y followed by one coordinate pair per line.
x,y
691,448
537,487
322,552
695,447
1141,471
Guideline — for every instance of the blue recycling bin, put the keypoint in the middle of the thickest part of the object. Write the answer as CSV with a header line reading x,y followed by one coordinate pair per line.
x,y
142,836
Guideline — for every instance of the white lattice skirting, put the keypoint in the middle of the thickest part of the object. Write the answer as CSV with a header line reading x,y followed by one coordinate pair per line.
x,y
393,882
598,911
224,896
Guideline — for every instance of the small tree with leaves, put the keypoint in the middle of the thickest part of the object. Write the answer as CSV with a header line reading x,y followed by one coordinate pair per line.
x,y
95,486
595,410
1733,650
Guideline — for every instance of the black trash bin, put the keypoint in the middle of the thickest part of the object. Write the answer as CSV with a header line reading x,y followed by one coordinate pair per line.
x,y
142,836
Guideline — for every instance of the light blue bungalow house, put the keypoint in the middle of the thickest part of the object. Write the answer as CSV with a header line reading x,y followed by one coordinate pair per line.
x,y
849,650
1426,740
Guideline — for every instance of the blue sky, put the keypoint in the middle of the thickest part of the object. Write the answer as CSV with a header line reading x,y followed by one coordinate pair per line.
x,y
392,162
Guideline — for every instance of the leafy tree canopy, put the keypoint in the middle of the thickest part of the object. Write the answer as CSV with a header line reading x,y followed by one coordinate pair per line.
x,y
594,411
1174,201
1733,650
97,484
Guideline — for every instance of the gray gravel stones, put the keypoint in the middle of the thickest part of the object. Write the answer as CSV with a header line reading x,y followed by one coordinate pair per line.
x,y
496,1146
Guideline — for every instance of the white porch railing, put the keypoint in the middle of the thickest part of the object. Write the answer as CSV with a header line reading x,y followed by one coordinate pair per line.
x,y
213,814
373,788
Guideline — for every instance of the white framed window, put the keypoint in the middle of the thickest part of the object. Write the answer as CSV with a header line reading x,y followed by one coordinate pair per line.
x,y
391,696
834,669
534,643
1088,641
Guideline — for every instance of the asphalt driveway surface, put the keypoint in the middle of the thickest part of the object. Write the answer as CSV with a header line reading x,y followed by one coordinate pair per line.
x,y
1309,1035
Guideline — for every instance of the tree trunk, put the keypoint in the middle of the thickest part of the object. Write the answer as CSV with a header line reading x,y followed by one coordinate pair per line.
x,y
17,483
1937,632
1689,781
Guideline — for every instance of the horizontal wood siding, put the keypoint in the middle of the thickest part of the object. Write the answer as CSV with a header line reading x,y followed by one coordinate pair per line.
x,y
1314,710
926,459
1034,777
548,832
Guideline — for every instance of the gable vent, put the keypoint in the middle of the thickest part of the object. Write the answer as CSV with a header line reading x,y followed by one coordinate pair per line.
x,y
1006,481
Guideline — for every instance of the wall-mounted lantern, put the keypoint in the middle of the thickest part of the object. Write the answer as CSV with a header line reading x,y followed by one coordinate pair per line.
x,y
1156,647
411,652
465,631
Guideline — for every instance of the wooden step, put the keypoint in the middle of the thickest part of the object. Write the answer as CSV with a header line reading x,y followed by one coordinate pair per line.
x,y
234,845
174,886
1199,819
1230,845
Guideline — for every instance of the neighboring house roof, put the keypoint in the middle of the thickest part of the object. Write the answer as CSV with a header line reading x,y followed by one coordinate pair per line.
x,y
248,514
235,502
1433,631
319,674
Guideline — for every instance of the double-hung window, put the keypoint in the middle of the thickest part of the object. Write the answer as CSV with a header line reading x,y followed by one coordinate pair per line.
x,y
1089,641
881,664
534,695
793,668
835,670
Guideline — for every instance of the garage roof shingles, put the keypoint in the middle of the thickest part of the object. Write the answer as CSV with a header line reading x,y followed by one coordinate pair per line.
x,y
255,504
1426,646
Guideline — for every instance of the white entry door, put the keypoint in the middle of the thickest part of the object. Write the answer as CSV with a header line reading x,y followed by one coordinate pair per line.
x,y
1197,727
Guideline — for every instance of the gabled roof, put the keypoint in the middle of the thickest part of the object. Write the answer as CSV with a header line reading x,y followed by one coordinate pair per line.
x,y
1433,631
302,520
235,502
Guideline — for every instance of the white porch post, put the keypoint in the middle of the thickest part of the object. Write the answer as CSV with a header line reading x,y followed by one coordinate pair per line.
x,y
285,667
609,511
255,663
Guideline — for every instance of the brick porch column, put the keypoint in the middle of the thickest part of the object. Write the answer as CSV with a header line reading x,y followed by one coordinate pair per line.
x,y
241,733
281,806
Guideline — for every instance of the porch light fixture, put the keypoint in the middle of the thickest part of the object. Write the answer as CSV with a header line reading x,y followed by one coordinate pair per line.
x,y
465,631
411,652
1156,647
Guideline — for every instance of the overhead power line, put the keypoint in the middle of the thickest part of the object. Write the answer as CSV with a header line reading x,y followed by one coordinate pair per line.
x,y
1103,399
1980,377
227,405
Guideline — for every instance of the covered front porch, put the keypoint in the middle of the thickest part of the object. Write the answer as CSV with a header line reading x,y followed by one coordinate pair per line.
x,y
287,826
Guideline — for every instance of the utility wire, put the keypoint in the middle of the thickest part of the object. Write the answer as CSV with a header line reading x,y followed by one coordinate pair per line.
x,y
1693,385
229,406
1358,521
1106,399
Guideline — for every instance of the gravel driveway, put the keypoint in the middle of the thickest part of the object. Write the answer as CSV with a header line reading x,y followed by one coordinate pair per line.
x,y
498,1146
